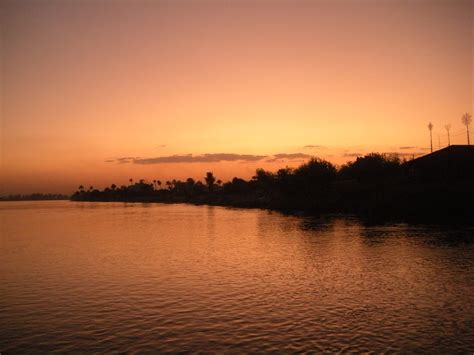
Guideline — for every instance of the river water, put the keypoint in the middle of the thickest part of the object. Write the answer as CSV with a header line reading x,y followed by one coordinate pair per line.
x,y
136,277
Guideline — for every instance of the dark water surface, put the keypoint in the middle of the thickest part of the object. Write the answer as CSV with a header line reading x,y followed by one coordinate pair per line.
x,y
122,277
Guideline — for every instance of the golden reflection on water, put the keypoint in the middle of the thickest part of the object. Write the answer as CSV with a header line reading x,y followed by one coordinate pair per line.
x,y
121,277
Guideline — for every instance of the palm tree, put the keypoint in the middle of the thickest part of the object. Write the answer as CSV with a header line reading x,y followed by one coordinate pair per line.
x,y
168,184
210,179
81,188
131,181
113,187
448,127
466,120
159,183
430,127
91,188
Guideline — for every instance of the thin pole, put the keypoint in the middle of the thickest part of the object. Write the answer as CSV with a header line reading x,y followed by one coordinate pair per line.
x,y
448,127
431,141
430,127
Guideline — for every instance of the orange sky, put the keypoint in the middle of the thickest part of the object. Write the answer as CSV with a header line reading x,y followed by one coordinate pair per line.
x,y
86,83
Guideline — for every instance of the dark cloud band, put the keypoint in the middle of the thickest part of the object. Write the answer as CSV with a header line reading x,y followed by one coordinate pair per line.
x,y
209,158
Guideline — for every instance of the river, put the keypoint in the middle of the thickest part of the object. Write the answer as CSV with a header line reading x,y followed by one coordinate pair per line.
x,y
103,277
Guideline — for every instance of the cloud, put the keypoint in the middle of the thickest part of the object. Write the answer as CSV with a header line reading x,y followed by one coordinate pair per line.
x,y
122,160
352,155
161,146
407,148
125,160
404,154
284,156
312,146
399,154
210,158
204,158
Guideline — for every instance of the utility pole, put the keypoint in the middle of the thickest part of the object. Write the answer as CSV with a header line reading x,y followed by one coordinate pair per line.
x,y
466,120
448,127
439,142
430,127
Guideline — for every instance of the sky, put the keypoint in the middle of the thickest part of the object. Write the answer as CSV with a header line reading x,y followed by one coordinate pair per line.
x,y
98,92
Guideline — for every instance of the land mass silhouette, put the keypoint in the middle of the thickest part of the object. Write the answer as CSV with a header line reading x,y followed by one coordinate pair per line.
x,y
34,197
436,188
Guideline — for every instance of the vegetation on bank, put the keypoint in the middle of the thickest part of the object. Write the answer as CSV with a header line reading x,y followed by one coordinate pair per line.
x,y
377,187
34,197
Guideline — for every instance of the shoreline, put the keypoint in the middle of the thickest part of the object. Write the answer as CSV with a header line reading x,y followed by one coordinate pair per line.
x,y
371,219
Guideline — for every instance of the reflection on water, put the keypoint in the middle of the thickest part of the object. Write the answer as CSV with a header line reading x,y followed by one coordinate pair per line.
x,y
121,277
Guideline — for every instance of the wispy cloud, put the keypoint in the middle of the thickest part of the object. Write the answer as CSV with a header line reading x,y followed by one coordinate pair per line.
x,y
121,160
204,158
285,156
352,155
210,158
313,146
403,154
407,148
125,160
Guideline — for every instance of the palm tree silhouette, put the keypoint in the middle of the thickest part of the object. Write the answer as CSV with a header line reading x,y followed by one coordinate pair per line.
x,y
466,120
210,179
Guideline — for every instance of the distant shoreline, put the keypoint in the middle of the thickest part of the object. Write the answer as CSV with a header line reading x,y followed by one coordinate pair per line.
x,y
35,197
437,188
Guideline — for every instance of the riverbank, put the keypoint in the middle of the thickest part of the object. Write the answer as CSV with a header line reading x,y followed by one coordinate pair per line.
x,y
376,188
415,204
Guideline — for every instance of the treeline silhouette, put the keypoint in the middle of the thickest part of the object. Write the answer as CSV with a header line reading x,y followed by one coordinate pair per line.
x,y
376,187
34,197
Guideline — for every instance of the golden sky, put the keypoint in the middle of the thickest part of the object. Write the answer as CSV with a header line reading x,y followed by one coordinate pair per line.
x,y
85,84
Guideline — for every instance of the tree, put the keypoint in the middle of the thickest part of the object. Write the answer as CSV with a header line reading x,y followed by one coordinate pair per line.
x,y
317,170
210,179
159,183
466,120
131,181
113,187
81,188
371,168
